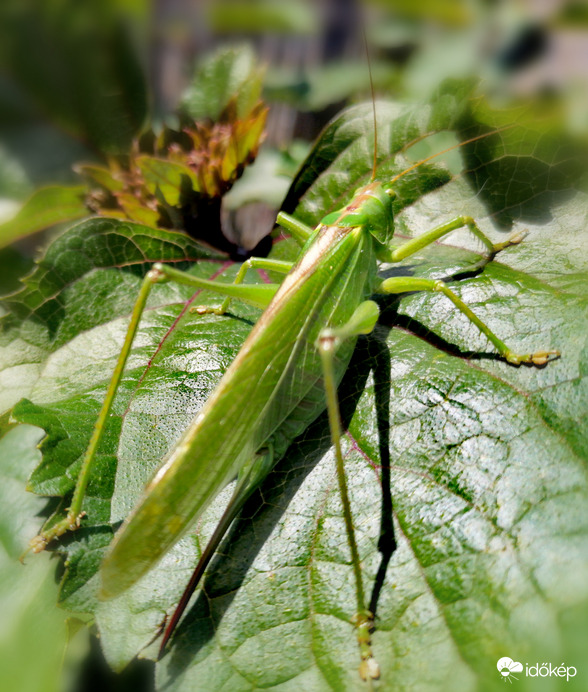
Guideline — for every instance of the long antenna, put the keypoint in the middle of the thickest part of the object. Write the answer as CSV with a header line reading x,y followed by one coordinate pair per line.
x,y
369,64
451,148
373,93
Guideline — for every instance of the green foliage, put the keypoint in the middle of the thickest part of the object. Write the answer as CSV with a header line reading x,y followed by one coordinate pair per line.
x,y
46,207
65,57
13,265
251,16
231,74
321,86
33,631
488,461
173,179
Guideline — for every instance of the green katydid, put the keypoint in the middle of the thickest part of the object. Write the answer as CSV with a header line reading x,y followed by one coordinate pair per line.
x,y
274,388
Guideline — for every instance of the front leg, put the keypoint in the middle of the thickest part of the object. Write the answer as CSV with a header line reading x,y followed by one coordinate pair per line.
x,y
416,244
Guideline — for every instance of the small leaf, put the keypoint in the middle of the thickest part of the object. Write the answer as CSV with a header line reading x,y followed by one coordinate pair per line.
x,y
46,207
101,175
169,177
230,74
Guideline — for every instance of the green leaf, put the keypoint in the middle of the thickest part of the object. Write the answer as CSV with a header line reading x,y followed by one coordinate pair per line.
x,y
237,16
321,86
532,150
46,207
100,175
88,276
227,75
487,461
33,633
168,177
342,159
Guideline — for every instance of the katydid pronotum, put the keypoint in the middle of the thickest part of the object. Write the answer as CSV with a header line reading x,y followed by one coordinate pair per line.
x,y
284,376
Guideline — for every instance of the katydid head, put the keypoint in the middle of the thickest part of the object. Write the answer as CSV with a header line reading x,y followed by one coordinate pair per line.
x,y
376,200
370,209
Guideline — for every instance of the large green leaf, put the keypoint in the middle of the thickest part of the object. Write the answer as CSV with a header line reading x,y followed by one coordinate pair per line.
x,y
487,461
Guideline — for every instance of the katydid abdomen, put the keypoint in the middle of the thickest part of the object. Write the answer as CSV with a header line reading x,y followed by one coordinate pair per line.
x,y
271,392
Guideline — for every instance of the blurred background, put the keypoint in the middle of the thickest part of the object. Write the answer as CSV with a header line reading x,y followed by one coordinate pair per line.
x,y
80,79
